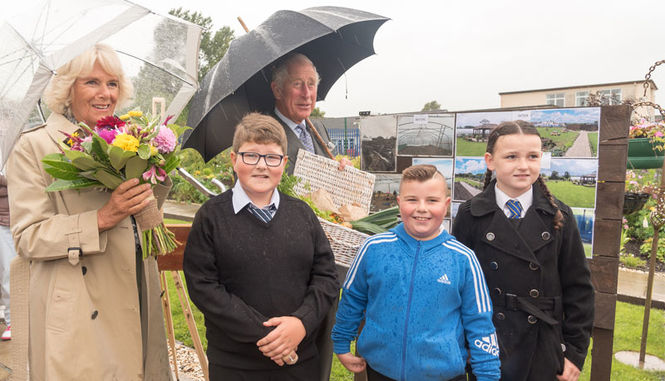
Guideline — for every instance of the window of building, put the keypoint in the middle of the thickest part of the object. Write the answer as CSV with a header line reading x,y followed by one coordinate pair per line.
x,y
581,98
610,97
556,99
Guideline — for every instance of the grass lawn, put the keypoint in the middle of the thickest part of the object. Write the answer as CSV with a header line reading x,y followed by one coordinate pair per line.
x,y
587,250
473,183
627,335
593,140
571,194
562,141
467,148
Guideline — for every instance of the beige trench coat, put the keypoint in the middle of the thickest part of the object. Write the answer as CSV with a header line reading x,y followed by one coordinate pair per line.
x,y
84,316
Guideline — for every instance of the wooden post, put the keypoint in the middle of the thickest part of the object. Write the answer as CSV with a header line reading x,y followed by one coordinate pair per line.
x,y
166,304
657,224
612,157
191,324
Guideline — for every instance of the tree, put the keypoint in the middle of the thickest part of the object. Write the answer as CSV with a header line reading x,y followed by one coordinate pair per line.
x,y
317,113
566,175
213,46
431,106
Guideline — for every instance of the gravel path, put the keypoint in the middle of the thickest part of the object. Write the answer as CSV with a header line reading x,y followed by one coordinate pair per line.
x,y
188,363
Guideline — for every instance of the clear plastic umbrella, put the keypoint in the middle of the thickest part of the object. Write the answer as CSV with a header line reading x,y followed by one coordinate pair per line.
x,y
158,52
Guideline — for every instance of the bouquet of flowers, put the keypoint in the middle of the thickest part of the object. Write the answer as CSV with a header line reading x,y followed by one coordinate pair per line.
x,y
115,150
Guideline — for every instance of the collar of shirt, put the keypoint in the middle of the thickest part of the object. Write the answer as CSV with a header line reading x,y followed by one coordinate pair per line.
x,y
292,125
240,198
525,199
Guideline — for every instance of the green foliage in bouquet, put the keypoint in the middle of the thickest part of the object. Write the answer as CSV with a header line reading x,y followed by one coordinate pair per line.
x,y
115,150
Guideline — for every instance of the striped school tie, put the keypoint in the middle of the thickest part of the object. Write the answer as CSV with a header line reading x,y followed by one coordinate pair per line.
x,y
515,209
264,214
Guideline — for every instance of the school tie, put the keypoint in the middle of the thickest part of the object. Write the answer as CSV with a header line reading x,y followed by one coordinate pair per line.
x,y
305,137
515,209
264,214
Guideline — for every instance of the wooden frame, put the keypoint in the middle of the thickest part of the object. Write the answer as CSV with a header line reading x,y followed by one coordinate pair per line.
x,y
173,262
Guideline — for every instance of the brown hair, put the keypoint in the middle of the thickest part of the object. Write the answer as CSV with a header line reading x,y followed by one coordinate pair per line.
x,y
422,173
523,128
261,129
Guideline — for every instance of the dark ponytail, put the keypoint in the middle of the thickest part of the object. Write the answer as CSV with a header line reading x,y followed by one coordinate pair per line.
x,y
523,128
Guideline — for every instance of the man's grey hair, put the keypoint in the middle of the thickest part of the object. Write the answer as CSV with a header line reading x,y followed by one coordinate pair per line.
x,y
281,72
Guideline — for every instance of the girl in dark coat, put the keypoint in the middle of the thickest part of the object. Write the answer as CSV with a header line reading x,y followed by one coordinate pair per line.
x,y
531,252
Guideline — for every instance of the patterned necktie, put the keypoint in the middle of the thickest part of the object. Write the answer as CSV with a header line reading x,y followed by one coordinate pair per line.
x,y
515,209
305,138
264,214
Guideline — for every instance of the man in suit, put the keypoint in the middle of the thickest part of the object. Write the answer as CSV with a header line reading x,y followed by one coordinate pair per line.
x,y
294,86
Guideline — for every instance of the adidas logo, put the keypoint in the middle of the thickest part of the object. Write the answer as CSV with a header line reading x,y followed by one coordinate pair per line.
x,y
488,344
444,279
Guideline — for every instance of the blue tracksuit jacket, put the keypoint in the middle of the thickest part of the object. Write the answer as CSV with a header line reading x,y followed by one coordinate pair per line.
x,y
420,301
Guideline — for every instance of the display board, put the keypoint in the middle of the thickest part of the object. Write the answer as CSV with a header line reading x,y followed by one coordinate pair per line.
x,y
584,165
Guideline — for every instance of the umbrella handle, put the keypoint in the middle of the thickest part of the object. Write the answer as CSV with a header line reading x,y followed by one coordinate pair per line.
x,y
318,137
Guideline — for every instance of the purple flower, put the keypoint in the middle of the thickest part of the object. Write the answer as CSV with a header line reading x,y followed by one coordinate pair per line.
x,y
107,134
165,140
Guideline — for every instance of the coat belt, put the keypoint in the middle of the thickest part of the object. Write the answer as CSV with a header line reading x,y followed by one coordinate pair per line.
x,y
544,308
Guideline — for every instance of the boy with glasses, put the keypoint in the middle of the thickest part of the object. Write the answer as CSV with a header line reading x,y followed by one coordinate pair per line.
x,y
259,267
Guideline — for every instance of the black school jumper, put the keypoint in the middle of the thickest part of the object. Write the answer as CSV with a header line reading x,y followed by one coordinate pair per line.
x,y
241,271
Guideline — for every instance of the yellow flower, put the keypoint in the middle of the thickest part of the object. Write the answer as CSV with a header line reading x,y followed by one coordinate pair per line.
x,y
135,114
124,116
126,142
153,150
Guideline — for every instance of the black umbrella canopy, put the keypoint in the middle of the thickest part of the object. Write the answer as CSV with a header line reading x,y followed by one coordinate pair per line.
x,y
334,38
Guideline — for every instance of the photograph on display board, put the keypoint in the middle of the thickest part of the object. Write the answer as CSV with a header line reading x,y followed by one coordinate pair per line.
x,y
386,189
378,140
474,128
585,218
446,224
454,207
469,177
425,135
568,132
445,166
573,181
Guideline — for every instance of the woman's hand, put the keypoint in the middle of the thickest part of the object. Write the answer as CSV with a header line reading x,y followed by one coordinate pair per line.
x,y
352,362
284,339
570,371
127,199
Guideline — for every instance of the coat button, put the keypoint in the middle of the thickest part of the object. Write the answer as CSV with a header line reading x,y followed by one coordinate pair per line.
x,y
532,319
500,316
534,293
94,315
494,266
498,291
490,236
533,266
546,236
84,269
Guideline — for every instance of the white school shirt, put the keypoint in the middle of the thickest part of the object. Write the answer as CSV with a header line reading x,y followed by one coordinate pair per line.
x,y
526,199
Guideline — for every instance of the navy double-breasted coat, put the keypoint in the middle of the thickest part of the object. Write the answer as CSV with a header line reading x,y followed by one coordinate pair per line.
x,y
539,282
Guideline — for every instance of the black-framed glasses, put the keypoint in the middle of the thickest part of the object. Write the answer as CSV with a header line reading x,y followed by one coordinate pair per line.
x,y
252,158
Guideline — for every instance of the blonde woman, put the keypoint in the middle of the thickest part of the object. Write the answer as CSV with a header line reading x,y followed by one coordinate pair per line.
x,y
94,302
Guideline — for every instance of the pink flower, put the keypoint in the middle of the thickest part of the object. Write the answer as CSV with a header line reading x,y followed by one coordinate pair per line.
x,y
153,174
165,140
107,134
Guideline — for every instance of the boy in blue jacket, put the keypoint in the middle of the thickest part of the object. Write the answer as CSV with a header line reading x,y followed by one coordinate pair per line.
x,y
422,295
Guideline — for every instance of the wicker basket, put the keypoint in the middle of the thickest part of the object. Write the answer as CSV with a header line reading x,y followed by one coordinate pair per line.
x,y
346,187
344,242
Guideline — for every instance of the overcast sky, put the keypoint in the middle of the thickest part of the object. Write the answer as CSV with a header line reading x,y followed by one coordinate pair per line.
x,y
462,53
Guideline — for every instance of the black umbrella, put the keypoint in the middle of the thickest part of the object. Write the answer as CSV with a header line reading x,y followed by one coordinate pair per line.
x,y
333,38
